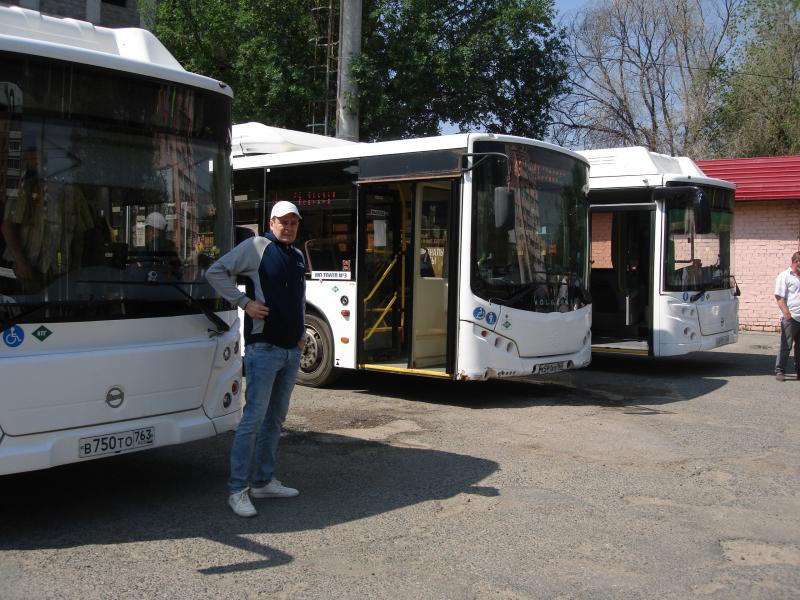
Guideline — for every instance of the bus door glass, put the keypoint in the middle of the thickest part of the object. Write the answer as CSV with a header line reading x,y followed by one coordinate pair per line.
x,y
431,276
385,278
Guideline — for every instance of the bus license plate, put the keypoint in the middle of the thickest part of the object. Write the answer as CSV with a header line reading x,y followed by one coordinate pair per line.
x,y
550,368
113,443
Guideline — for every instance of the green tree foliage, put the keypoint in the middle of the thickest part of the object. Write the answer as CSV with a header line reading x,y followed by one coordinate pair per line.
x,y
487,64
490,64
760,115
259,47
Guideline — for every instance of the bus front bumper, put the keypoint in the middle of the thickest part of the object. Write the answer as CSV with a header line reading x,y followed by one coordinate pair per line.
x,y
50,449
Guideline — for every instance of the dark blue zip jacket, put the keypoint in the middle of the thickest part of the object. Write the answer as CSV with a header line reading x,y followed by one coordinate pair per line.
x,y
275,275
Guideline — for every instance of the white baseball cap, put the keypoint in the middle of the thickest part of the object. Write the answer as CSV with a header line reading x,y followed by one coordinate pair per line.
x,y
283,208
156,220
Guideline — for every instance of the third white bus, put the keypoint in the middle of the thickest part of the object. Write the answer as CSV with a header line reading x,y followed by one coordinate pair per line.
x,y
662,254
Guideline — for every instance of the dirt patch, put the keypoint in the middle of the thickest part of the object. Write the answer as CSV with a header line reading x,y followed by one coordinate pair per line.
x,y
755,553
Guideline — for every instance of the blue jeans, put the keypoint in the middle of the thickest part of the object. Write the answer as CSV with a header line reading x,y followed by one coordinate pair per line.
x,y
790,336
270,375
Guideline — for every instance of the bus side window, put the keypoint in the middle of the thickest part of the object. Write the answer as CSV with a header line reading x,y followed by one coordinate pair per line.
x,y
326,198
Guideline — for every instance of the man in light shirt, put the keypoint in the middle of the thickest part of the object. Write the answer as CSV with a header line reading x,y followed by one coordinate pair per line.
x,y
787,293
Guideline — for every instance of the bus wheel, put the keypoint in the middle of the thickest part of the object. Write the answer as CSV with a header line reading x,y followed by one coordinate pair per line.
x,y
316,362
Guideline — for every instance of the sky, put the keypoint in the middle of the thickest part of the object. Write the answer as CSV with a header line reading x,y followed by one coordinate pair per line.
x,y
568,6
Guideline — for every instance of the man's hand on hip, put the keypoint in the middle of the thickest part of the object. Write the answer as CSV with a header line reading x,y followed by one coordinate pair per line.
x,y
256,310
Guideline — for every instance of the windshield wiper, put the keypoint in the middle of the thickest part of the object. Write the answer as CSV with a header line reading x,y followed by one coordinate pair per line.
x,y
221,326
6,324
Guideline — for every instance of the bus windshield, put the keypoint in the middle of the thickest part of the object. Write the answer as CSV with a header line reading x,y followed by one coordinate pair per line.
x,y
114,193
536,261
699,261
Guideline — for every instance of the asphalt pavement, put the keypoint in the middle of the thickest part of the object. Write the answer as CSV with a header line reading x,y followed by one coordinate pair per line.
x,y
634,478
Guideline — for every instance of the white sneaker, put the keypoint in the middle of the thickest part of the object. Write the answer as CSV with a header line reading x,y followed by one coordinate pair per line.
x,y
241,505
274,489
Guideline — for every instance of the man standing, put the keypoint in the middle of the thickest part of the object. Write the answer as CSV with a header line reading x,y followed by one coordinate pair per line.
x,y
787,293
274,333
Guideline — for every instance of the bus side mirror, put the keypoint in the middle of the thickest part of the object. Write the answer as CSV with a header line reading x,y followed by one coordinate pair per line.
x,y
702,212
503,208
692,196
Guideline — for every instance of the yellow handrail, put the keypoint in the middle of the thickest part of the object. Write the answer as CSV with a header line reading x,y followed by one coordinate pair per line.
x,y
381,317
380,281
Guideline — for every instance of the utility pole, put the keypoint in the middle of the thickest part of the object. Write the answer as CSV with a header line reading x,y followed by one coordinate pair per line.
x,y
347,90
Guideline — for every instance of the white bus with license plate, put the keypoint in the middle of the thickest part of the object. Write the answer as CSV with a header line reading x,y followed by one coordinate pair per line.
x,y
662,255
115,186
461,256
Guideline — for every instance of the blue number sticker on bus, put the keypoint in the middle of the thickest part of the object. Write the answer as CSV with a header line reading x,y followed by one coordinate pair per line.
x,y
13,336
491,318
479,313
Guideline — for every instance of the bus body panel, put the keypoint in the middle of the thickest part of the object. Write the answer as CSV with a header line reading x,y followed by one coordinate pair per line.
x,y
210,402
679,329
534,334
491,355
54,389
330,297
120,49
718,315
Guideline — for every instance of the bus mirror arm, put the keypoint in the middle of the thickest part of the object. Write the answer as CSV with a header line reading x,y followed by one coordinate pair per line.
x,y
481,157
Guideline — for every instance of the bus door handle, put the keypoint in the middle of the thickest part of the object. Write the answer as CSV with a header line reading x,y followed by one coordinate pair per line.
x,y
627,309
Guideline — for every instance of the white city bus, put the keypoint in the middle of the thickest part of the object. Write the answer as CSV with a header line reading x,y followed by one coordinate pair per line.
x,y
461,256
115,195
662,255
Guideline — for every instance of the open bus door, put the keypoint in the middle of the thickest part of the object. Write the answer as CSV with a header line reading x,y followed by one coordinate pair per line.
x,y
622,278
403,276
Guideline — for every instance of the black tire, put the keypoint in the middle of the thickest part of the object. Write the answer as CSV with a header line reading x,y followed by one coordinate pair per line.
x,y
316,362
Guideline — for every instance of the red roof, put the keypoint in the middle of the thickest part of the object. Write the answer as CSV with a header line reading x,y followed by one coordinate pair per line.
x,y
767,178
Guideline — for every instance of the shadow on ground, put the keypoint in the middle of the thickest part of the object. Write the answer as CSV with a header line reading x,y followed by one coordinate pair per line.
x,y
179,492
616,381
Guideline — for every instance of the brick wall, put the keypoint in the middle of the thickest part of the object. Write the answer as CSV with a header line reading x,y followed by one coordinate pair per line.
x,y
767,233
601,240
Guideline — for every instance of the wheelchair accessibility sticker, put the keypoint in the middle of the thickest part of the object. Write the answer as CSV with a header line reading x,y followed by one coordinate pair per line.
x,y
479,313
13,336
